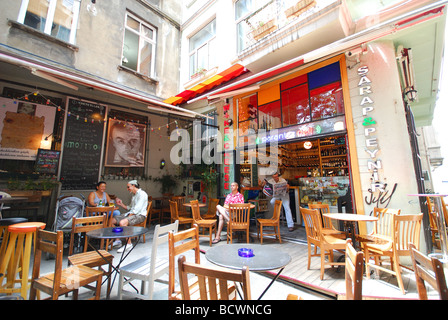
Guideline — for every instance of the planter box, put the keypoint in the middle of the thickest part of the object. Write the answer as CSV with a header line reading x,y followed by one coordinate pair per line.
x,y
299,8
264,30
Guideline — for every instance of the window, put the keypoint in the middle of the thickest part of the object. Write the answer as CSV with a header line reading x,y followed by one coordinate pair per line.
x,y
244,9
202,49
139,46
58,18
313,96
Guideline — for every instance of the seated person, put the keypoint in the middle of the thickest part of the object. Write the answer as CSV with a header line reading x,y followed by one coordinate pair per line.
x,y
100,195
136,211
233,197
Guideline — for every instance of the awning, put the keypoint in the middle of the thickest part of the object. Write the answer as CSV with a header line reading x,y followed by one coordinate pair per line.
x,y
228,74
61,76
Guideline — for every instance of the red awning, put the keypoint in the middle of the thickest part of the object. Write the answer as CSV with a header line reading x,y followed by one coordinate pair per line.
x,y
208,84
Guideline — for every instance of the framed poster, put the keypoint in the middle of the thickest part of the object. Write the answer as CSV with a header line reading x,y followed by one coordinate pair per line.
x,y
125,144
24,128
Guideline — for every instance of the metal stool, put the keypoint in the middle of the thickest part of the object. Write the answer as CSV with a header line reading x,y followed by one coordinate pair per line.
x,y
17,257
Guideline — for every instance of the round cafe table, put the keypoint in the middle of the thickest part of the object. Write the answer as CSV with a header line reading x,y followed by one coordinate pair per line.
x,y
265,258
350,220
200,204
109,233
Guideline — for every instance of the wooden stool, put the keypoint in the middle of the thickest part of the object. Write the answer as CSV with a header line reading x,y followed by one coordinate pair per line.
x,y
18,253
4,234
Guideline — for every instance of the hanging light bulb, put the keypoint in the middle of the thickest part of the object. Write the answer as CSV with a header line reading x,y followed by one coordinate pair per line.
x,y
91,8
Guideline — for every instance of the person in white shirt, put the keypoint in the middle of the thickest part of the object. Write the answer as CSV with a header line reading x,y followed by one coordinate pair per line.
x,y
136,211
284,197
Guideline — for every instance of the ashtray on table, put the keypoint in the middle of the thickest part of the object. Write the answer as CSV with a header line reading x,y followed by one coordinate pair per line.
x,y
117,229
245,252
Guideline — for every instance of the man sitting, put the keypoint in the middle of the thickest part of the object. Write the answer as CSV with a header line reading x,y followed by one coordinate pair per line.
x,y
136,210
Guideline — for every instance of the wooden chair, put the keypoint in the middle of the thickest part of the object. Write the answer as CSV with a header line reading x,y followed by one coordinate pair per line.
x,y
61,281
382,231
179,243
181,209
143,223
92,258
433,223
99,211
406,229
155,214
166,210
273,222
354,264
327,224
204,224
175,215
213,283
211,210
326,243
147,269
238,220
429,270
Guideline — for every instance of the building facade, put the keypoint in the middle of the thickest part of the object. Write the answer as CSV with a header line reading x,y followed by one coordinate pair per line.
x,y
72,72
330,94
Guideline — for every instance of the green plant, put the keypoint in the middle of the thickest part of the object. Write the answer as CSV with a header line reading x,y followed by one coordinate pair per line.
x,y
210,179
29,184
167,181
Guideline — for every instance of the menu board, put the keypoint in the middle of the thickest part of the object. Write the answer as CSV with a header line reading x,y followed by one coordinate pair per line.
x,y
83,141
47,161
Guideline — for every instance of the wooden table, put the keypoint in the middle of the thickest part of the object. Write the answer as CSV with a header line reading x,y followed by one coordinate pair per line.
x,y
188,204
350,219
5,200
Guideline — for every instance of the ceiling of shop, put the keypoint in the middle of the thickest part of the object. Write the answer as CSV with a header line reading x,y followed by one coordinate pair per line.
x,y
427,42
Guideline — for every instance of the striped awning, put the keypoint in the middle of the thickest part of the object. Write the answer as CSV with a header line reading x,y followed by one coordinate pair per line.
x,y
208,84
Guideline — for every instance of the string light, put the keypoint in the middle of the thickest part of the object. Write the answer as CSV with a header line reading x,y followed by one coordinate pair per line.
x,y
73,113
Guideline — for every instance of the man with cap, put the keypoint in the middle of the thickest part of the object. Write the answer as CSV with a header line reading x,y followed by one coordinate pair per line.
x,y
136,211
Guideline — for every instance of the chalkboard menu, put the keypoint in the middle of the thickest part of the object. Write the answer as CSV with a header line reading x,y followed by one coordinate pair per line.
x,y
81,156
47,161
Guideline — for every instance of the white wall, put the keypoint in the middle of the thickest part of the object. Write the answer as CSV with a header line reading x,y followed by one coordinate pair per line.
x,y
391,129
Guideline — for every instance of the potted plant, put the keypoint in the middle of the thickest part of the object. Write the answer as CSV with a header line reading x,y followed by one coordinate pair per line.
x,y
210,179
167,181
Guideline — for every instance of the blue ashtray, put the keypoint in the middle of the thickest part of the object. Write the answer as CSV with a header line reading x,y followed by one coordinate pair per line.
x,y
117,229
245,253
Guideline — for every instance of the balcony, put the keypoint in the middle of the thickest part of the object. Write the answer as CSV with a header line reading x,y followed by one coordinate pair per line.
x,y
279,24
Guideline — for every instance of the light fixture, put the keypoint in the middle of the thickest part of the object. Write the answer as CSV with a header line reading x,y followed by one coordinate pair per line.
x,y
307,145
162,164
91,8
46,138
405,63
410,94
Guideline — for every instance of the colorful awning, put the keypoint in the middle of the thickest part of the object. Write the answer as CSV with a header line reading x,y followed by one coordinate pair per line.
x,y
208,84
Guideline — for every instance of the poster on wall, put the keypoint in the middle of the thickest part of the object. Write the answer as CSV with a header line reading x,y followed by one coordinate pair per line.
x,y
125,144
24,128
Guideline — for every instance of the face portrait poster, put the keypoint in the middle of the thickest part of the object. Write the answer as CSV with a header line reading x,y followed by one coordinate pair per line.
x,y
125,144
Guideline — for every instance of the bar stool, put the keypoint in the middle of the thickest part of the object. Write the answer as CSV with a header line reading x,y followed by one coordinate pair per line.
x,y
4,234
18,252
